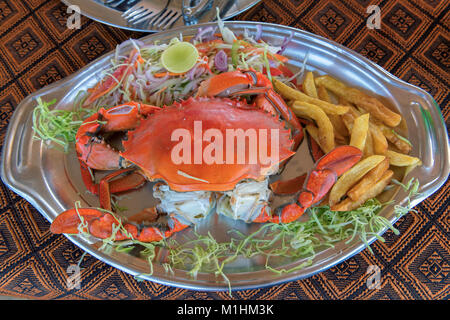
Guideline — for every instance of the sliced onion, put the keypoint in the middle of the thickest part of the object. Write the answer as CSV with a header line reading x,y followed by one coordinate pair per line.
x,y
285,43
191,73
258,32
135,43
272,63
221,61
202,32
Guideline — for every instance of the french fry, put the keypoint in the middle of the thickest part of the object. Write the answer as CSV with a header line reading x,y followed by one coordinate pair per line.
x,y
325,132
344,205
401,160
360,130
339,125
314,133
354,111
352,176
293,94
380,144
340,131
372,105
374,190
340,139
309,86
343,101
322,94
399,142
368,180
348,120
375,140
368,147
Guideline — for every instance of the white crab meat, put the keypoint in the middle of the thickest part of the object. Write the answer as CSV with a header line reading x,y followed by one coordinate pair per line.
x,y
246,200
188,207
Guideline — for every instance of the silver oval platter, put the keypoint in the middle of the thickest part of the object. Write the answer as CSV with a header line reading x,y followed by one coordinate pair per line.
x,y
108,13
50,179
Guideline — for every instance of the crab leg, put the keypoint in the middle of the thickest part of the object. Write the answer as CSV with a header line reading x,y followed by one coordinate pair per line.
x,y
100,224
123,184
317,184
130,181
88,178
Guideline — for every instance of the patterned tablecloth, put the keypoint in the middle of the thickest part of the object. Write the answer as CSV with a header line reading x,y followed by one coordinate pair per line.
x,y
36,48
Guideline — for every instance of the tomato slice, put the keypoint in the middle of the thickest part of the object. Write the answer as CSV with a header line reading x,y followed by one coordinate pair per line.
x,y
106,85
281,70
273,71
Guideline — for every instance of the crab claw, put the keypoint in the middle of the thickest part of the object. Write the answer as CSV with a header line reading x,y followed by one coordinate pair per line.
x,y
100,224
126,116
92,148
318,183
69,220
226,83
290,186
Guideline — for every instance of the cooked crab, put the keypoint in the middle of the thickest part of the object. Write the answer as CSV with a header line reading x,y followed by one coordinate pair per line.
x,y
190,187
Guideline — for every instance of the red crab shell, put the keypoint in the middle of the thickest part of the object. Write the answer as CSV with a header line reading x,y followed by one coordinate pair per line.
x,y
150,145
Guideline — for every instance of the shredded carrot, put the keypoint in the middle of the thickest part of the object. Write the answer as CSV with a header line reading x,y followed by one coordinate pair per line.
x,y
204,47
206,66
280,57
163,74
90,90
132,53
139,60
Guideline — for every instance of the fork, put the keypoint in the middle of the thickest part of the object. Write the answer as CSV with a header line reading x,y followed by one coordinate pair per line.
x,y
116,3
150,15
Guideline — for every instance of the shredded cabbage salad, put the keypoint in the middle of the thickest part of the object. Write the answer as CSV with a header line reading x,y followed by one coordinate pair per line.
x,y
143,77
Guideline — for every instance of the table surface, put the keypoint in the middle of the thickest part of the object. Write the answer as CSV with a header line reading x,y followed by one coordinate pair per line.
x,y
413,43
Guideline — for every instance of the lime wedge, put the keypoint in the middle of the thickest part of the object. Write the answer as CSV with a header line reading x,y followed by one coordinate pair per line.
x,y
179,57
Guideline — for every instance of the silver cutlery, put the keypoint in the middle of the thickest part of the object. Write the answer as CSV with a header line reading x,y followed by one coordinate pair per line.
x,y
153,15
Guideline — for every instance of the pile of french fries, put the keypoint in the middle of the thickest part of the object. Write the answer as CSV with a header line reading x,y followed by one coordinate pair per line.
x,y
356,119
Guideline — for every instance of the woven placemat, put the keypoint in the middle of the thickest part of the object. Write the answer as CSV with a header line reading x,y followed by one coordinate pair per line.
x,y
36,48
